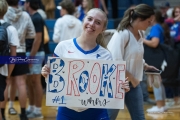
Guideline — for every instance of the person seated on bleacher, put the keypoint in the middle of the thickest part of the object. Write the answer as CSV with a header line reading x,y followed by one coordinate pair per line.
x,y
68,26
82,9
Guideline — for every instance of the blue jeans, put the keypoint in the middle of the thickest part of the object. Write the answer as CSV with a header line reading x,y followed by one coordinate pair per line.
x,y
134,103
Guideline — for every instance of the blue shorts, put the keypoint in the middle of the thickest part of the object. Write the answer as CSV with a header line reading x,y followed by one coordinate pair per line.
x,y
65,113
36,68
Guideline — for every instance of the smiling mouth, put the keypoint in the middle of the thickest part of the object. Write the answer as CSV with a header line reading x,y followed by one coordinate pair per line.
x,y
90,29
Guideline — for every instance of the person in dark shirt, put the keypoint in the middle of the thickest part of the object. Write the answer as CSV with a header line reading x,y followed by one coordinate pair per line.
x,y
35,48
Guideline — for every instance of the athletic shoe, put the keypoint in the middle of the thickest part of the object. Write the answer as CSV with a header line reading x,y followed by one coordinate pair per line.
x,y
34,115
12,111
155,109
175,106
28,112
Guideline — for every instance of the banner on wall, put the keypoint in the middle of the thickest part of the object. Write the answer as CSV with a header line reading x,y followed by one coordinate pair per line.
x,y
85,83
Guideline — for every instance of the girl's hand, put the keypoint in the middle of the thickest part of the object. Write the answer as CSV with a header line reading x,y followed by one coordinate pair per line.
x,y
125,85
45,70
148,67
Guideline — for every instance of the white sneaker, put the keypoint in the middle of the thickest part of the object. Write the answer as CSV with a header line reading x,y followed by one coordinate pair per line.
x,y
175,106
28,112
155,109
34,115
169,102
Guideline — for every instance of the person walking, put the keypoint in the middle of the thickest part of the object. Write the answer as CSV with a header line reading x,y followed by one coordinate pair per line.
x,y
127,44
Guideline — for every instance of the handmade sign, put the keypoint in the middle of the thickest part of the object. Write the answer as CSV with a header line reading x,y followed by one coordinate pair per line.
x,y
85,83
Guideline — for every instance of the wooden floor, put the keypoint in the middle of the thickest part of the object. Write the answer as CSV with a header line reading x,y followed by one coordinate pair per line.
x,y
50,114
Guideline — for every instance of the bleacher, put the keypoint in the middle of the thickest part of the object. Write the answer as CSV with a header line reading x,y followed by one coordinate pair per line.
x,y
50,26
112,23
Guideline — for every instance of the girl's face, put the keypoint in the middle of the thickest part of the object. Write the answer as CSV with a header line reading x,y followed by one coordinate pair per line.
x,y
177,12
84,3
94,22
143,25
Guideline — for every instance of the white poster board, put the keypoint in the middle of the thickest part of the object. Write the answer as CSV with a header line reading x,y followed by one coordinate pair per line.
x,y
85,83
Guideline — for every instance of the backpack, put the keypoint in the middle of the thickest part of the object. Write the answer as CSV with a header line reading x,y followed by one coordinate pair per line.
x,y
157,56
4,45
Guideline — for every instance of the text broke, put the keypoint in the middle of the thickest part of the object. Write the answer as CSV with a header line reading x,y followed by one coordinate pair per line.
x,y
96,81
85,82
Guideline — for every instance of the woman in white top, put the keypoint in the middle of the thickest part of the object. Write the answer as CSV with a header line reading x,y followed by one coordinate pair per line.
x,y
87,46
127,45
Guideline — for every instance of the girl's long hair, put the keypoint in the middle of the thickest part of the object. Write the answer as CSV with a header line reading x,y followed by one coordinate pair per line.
x,y
141,11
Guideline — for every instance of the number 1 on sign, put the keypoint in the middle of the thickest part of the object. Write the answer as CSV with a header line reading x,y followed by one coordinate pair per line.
x,y
57,99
